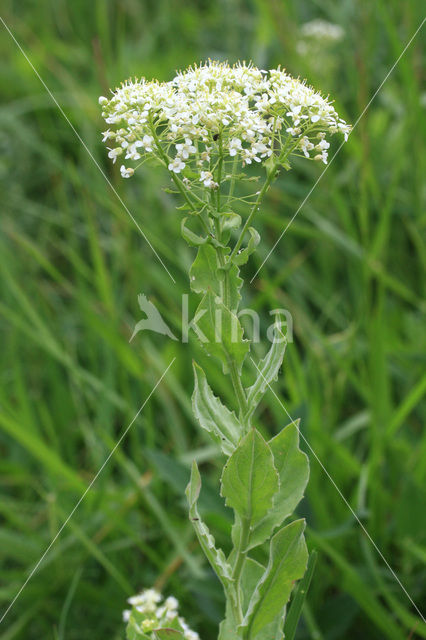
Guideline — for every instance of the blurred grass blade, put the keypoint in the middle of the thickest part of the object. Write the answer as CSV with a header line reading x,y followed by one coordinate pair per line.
x,y
296,606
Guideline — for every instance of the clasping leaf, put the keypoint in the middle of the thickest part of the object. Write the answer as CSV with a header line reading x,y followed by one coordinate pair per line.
x,y
216,557
220,332
213,416
243,256
192,238
267,371
288,557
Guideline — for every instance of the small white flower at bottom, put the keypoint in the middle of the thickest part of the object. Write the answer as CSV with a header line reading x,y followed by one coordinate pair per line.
x,y
126,172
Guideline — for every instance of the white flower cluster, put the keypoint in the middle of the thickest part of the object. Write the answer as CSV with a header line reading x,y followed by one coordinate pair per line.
x,y
322,30
215,113
158,613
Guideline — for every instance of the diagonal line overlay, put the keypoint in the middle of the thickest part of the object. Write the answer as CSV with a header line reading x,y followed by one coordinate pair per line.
x,y
344,499
107,180
64,524
318,180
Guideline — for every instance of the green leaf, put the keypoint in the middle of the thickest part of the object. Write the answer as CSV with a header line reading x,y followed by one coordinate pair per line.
x,y
192,238
203,272
213,416
293,470
267,370
228,626
230,220
250,576
167,634
228,630
220,332
243,256
252,573
235,284
216,557
271,164
287,562
249,479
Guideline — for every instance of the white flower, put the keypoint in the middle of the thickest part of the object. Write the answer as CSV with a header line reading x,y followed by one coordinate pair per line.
x,y
261,149
322,145
108,134
177,165
205,155
306,146
184,150
322,30
126,172
147,142
171,603
234,146
146,601
207,178
126,615
114,153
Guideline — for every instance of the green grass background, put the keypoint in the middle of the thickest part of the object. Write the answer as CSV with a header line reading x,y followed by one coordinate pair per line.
x,y
350,270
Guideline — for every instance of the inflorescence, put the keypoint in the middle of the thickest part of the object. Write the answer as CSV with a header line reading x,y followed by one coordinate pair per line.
x,y
150,612
214,113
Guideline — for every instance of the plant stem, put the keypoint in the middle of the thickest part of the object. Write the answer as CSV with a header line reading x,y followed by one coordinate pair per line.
x,y
261,193
270,177
233,371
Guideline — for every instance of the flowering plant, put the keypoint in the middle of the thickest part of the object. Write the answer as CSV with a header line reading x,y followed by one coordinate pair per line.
x,y
205,127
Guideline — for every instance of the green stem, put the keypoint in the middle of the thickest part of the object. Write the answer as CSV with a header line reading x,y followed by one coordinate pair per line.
x,y
225,287
270,177
255,207
179,184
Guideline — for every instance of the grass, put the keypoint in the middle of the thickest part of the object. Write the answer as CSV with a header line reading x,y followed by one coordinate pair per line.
x,y
350,269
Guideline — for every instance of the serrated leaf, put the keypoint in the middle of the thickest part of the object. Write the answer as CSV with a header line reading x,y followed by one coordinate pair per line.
x,y
235,284
288,557
216,557
249,479
203,272
267,371
244,254
293,470
220,332
192,238
213,416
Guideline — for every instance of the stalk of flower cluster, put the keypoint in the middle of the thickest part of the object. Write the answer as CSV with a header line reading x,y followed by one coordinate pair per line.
x,y
206,121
